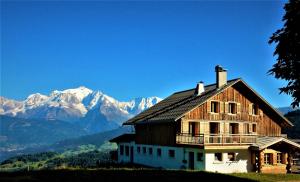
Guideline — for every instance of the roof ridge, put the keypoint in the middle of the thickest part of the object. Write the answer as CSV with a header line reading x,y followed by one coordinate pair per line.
x,y
177,105
204,86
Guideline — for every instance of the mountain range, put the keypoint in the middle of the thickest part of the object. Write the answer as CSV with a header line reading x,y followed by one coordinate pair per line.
x,y
50,122
94,111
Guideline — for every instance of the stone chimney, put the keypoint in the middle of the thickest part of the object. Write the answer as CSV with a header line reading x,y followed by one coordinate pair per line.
x,y
221,76
199,88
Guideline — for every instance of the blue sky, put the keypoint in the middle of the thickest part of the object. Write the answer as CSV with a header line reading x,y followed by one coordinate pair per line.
x,y
136,49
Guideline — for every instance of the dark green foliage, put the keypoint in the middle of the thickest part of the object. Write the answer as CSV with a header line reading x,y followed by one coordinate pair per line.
x,y
294,117
287,40
53,160
91,159
30,158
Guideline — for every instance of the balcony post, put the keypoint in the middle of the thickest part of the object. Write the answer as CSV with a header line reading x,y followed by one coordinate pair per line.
x,y
260,160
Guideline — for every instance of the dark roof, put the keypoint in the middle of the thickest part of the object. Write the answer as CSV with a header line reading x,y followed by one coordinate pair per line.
x,y
127,137
178,104
174,106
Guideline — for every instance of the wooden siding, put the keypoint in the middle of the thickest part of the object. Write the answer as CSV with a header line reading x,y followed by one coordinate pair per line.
x,y
156,134
265,125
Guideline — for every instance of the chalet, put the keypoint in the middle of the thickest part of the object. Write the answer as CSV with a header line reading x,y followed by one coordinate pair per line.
x,y
223,127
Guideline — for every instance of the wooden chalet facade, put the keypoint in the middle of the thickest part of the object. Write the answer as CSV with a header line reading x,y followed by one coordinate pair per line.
x,y
223,127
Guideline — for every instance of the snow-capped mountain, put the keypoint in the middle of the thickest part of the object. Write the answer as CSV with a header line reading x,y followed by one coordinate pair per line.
x,y
93,110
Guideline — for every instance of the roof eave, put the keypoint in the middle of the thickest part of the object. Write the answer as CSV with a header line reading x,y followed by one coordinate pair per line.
x,y
284,118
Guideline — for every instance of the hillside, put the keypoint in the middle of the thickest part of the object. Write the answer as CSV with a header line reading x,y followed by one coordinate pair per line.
x,y
294,117
81,157
285,110
35,132
96,140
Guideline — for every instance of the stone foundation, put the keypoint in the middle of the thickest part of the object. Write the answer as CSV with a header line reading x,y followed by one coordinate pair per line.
x,y
277,169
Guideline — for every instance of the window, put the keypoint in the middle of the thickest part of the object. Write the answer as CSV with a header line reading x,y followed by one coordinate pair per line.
x,y
254,128
254,109
246,128
199,156
121,150
232,109
150,151
159,152
144,150
138,149
218,156
172,153
231,156
279,158
267,157
214,107
127,150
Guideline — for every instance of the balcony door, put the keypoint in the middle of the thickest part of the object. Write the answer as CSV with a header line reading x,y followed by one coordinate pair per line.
x,y
233,128
194,128
214,128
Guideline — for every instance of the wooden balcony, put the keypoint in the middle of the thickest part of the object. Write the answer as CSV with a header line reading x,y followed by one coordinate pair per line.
x,y
216,139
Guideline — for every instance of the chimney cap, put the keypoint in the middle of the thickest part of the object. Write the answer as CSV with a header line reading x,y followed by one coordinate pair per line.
x,y
219,68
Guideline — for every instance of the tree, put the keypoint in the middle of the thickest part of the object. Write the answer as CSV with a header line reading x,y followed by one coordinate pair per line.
x,y
287,40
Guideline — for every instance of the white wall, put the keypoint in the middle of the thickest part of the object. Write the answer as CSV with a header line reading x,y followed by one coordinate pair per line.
x,y
241,165
163,161
123,158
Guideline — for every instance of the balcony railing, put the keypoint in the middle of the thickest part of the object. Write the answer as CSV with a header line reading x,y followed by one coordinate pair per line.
x,y
186,138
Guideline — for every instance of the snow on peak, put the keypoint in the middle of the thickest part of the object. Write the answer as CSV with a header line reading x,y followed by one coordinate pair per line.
x,y
80,91
10,107
76,104
137,105
35,99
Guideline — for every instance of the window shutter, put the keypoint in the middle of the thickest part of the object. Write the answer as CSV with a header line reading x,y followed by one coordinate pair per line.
x,y
261,113
206,128
240,128
226,107
250,109
208,104
238,109
222,127
221,107
272,161
284,158
226,129
250,128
